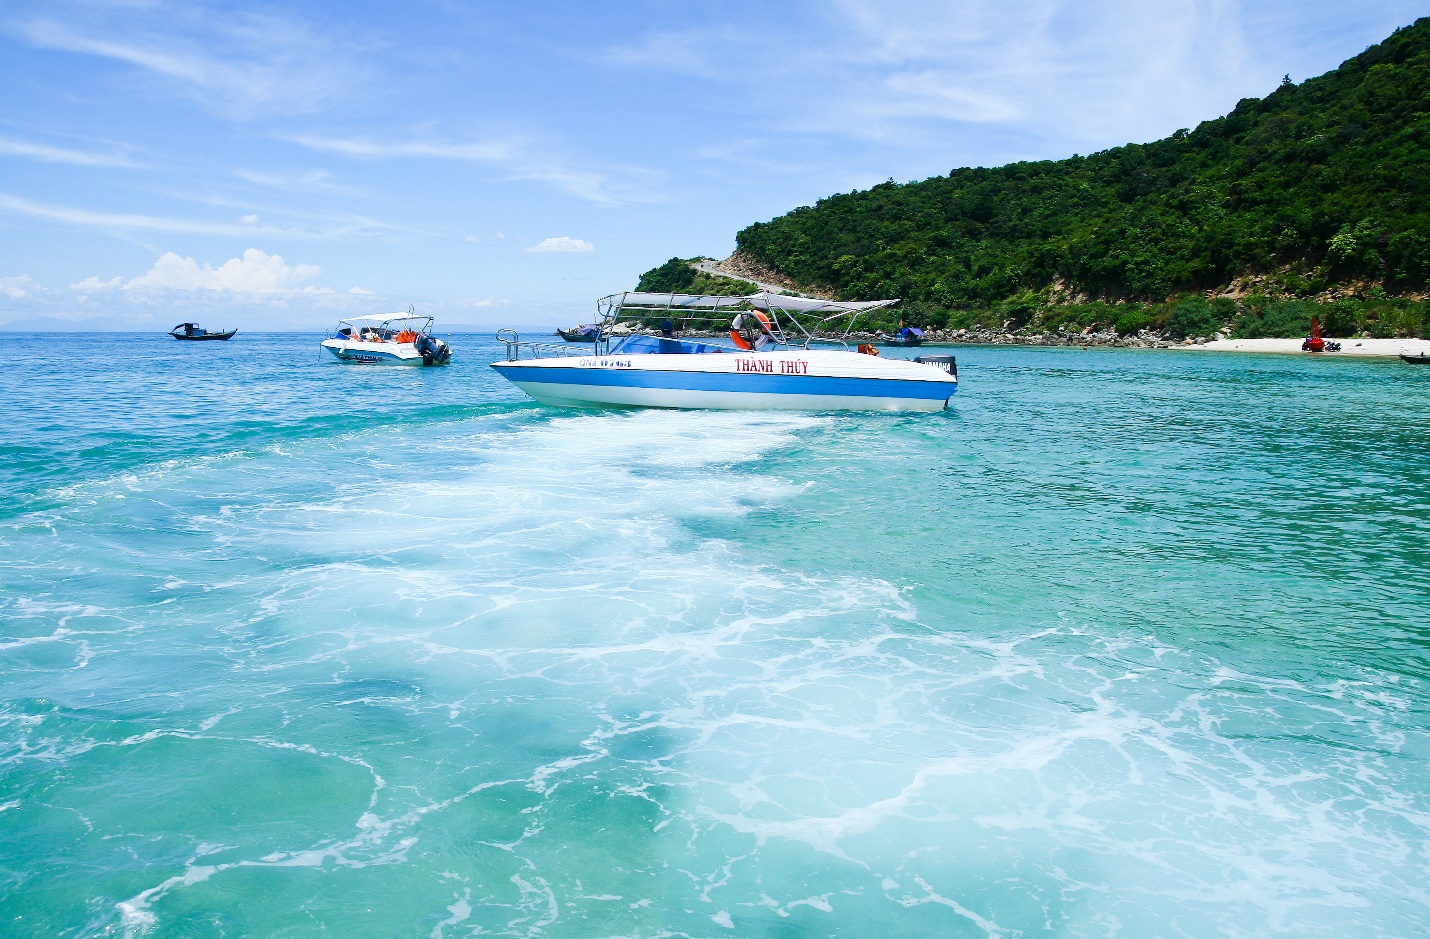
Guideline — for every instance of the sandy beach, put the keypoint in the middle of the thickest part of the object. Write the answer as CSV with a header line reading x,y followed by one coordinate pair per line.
x,y
1376,347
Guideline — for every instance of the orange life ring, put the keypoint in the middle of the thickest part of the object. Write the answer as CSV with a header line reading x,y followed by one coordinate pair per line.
x,y
740,340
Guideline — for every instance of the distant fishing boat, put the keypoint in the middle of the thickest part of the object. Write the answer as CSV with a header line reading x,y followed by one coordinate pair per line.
x,y
194,332
769,363
388,339
1421,359
906,336
580,333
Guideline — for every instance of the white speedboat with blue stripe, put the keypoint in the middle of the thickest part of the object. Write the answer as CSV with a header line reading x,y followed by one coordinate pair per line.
x,y
760,368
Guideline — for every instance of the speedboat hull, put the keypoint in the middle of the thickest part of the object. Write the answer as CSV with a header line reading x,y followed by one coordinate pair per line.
x,y
796,379
374,353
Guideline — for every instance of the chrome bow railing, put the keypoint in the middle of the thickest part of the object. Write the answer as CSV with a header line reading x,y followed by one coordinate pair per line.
x,y
535,350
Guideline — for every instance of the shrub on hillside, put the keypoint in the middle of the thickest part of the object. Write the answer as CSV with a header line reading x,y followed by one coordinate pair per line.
x,y
1196,317
1280,319
1132,321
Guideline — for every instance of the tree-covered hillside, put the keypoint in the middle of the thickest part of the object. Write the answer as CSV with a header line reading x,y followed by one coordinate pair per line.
x,y
1321,184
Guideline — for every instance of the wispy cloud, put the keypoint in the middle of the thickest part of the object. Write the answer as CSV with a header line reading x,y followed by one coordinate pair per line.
x,y
561,245
487,152
1043,66
48,154
911,72
111,221
240,64
324,226
307,181
511,157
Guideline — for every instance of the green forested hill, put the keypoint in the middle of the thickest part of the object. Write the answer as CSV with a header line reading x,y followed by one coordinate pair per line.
x,y
1320,184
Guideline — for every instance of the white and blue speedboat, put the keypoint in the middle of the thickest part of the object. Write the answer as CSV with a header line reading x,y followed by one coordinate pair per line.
x,y
773,359
388,339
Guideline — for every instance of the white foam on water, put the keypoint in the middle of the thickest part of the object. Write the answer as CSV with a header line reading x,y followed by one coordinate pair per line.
x,y
563,609
460,910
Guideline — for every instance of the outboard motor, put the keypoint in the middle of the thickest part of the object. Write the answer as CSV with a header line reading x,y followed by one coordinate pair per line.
x,y
434,351
946,362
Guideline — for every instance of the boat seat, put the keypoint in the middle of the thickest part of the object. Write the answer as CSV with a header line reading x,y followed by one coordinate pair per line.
x,y
654,345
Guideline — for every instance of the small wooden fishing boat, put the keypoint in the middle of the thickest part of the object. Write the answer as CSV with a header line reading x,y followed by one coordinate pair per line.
x,y
194,332
1421,359
907,336
580,334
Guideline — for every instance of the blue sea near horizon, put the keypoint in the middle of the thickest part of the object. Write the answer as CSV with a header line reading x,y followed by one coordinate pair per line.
x,y
1123,643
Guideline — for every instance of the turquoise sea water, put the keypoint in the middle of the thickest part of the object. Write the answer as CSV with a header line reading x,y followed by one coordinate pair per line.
x,y
1124,643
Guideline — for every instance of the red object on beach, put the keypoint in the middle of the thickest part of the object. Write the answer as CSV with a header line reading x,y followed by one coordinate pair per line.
x,y
1315,343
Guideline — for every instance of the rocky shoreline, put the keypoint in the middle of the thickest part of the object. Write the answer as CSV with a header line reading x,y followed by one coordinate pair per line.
x,y
1145,339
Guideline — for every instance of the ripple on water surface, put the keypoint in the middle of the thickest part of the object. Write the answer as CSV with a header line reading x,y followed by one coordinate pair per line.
x,y
1121,644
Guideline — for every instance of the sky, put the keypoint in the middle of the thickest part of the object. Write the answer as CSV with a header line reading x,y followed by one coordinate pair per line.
x,y
279,166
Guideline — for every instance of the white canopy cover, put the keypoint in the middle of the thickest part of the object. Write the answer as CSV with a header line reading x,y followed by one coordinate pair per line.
x,y
763,300
672,301
380,318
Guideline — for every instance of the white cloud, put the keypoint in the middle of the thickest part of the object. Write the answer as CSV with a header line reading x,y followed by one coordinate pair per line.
x,y
248,220
358,291
95,285
19,288
47,154
257,272
561,245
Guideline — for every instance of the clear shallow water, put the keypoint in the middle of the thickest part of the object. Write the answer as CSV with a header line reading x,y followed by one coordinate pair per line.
x,y
1122,644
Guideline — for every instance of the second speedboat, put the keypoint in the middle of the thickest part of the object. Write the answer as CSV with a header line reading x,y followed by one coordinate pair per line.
x,y
772,361
388,339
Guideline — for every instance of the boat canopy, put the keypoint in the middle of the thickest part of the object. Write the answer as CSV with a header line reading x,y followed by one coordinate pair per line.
x,y
385,318
668,301
800,320
763,300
